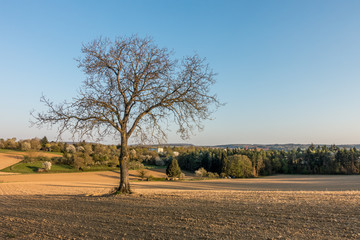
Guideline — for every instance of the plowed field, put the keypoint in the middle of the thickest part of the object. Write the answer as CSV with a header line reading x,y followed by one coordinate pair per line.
x,y
68,206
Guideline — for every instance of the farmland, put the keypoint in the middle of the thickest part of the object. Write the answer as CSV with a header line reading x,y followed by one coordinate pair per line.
x,y
73,205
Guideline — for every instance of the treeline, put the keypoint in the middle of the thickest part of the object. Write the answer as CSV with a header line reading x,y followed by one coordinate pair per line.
x,y
83,155
216,162
78,155
254,162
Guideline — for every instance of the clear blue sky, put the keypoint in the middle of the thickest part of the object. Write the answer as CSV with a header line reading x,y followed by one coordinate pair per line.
x,y
289,71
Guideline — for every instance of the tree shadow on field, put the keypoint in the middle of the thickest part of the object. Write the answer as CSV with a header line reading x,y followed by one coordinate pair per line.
x,y
118,176
108,176
82,186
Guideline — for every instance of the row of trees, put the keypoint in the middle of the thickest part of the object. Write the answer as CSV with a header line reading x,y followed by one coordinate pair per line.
x,y
78,155
35,144
253,163
83,155
221,162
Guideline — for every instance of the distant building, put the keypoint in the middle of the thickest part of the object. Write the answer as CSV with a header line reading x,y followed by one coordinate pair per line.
x,y
176,154
158,150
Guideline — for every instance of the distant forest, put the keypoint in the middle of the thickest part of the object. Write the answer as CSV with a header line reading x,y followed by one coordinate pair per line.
x,y
236,162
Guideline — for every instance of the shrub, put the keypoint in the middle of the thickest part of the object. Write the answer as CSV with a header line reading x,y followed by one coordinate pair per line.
x,y
80,149
223,175
201,172
133,165
132,154
173,170
182,175
142,173
42,158
46,165
57,160
112,164
27,159
213,175
159,162
55,148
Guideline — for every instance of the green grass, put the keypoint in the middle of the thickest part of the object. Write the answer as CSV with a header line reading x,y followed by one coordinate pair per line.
x,y
55,168
154,167
33,167
56,153
157,179
148,178
9,151
100,168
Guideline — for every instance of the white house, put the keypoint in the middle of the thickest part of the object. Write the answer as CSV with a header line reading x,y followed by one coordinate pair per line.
x,y
158,150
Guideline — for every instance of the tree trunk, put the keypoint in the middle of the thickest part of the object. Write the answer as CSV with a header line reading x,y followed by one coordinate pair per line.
x,y
124,186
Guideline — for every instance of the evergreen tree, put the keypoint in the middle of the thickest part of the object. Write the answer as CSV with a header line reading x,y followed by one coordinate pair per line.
x,y
44,141
173,169
224,164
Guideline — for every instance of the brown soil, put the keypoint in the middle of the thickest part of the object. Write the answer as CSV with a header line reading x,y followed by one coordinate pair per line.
x,y
60,206
7,160
33,154
11,158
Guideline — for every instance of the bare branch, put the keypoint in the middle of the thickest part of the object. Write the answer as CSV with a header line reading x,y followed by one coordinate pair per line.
x,y
132,88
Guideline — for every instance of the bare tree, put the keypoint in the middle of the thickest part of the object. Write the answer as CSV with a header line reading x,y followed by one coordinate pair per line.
x,y
133,88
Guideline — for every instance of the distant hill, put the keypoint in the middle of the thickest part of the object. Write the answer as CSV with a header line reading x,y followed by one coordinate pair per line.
x,y
285,147
166,145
